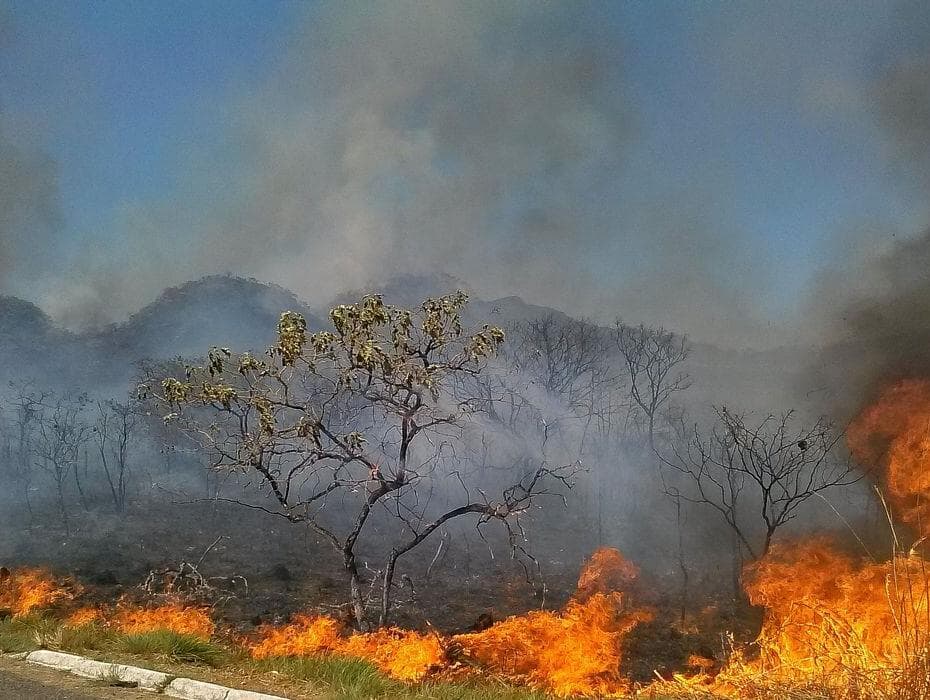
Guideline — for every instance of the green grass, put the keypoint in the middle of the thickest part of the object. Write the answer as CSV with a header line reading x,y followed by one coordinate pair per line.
x,y
27,633
344,677
174,646
352,679
336,678
89,637
480,690
36,632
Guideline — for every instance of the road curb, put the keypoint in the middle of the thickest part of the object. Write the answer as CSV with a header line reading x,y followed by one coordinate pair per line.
x,y
145,679
195,690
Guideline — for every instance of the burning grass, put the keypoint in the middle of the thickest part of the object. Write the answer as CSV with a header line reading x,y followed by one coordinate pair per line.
x,y
844,627
173,617
23,591
402,654
573,652
835,626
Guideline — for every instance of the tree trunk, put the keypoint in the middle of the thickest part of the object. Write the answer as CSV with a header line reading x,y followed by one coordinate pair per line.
x,y
681,564
355,590
77,482
386,584
768,541
61,502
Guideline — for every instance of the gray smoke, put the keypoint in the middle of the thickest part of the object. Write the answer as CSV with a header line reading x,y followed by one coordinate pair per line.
x,y
487,140
29,212
392,137
874,301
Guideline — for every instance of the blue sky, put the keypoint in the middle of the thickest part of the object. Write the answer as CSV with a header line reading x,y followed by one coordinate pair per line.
x,y
118,87
698,164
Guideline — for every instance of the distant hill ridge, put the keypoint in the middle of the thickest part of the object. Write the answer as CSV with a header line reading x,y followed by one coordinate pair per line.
x,y
240,313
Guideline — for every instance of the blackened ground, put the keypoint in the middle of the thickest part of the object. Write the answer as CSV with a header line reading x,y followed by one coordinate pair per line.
x,y
288,570
264,569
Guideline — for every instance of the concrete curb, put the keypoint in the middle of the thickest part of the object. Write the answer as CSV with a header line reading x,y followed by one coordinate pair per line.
x,y
155,681
195,690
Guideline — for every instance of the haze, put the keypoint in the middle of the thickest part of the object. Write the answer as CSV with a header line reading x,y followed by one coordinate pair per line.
x,y
717,168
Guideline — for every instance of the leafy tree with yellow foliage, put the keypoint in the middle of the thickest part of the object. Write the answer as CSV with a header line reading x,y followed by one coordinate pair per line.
x,y
370,416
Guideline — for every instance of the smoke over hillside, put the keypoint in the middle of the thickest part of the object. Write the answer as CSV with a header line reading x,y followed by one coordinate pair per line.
x,y
505,145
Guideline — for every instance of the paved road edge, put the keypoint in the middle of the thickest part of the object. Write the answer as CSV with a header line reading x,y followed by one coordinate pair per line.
x,y
143,678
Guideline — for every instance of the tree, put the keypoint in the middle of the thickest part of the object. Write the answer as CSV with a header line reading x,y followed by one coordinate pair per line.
x,y
26,410
560,354
363,415
60,435
113,432
651,356
758,475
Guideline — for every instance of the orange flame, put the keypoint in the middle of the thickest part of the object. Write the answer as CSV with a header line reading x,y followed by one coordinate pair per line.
x,y
402,654
575,652
825,612
25,590
893,433
174,617
606,571
306,635
830,621
858,628
85,616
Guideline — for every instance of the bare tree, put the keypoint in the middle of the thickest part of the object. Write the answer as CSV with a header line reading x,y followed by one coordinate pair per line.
x,y
363,416
60,435
651,356
113,432
758,475
559,353
26,410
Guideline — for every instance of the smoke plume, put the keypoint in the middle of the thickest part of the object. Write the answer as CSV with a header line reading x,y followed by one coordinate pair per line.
x,y
875,301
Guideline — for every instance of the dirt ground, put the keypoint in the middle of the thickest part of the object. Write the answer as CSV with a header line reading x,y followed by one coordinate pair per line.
x,y
23,681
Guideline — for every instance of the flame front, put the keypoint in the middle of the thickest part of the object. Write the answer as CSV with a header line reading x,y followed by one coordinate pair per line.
x,y
834,627
893,434
831,618
575,652
402,654
847,626
25,590
85,616
174,617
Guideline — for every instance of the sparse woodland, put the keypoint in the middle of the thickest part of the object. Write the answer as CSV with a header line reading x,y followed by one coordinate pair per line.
x,y
389,428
